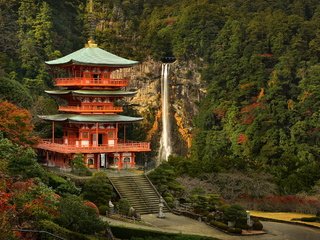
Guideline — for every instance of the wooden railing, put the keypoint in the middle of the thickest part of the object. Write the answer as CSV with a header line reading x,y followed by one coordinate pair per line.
x,y
117,147
91,109
94,82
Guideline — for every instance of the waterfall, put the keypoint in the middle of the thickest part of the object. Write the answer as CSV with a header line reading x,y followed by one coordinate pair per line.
x,y
165,141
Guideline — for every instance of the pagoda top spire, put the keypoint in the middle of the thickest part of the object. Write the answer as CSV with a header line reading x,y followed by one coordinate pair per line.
x,y
91,44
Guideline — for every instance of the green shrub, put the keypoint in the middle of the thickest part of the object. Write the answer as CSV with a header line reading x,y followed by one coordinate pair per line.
x,y
220,225
67,188
235,213
123,206
242,225
235,230
54,180
309,219
98,189
78,166
170,201
103,209
257,225
76,216
59,231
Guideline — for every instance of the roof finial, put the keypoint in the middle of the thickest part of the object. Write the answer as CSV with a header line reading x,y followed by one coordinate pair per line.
x,y
91,43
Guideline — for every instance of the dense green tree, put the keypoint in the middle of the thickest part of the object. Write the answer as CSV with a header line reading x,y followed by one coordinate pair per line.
x,y
98,189
19,161
76,216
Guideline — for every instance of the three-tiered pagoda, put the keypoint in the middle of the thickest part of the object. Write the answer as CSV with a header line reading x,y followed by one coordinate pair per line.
x,y
90,120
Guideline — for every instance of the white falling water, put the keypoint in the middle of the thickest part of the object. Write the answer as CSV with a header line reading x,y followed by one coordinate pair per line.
x,y
165,141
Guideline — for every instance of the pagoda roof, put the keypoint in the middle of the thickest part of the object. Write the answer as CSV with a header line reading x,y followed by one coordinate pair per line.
x,y
106,118
91,92
93,55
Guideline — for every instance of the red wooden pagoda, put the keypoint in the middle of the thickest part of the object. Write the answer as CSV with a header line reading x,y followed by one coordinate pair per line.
x,y
90,119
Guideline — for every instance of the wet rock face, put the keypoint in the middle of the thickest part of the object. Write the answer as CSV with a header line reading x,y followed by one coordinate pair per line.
x,y
185,93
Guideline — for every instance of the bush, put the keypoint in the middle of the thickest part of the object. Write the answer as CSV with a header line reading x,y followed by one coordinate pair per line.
x,y
220,225
98,189
59,231
103,209
309,219
76,216
242,225
257,225
54,180
123,206
67,188
78,166
235,230
235,213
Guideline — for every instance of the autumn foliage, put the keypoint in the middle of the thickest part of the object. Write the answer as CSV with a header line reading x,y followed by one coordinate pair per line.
x,y
16,124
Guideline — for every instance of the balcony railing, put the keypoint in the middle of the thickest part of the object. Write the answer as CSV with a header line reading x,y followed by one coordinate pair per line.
x,y
130,146
91,109
90,82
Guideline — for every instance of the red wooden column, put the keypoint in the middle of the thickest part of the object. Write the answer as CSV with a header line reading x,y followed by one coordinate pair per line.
x,y
120,160
52,131
97,126
98,161
133,163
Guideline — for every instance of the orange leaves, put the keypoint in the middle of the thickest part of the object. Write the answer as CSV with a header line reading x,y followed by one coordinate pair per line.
x,y
242,138
251,107
219,112
92,205
16,124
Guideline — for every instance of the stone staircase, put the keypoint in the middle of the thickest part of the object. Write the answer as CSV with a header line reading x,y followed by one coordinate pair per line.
x,y
140,193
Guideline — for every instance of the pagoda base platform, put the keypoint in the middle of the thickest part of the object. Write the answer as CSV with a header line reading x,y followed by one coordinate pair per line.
x,y
118,156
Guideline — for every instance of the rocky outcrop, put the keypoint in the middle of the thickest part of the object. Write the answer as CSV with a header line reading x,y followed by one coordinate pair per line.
x,y
185,93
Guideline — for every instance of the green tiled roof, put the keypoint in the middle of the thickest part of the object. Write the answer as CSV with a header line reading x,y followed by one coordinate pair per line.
x,y
107,118
93,56
91,92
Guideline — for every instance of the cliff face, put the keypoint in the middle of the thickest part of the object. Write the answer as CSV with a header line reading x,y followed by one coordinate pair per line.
x,y
185,93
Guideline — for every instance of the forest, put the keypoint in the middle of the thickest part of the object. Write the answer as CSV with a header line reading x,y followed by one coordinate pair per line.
x,y
259,60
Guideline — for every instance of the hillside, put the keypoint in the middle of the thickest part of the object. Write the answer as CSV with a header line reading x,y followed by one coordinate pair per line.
x,y
259,66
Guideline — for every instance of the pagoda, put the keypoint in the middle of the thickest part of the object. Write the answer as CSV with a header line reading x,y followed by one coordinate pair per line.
x,y
90,118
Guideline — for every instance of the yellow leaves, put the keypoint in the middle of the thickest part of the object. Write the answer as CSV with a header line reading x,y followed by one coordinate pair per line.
x,y
290,104
261,94
185,133
305,95
155,126
274,78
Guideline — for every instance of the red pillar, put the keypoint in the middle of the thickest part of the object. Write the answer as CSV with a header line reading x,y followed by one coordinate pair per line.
x,y
52,131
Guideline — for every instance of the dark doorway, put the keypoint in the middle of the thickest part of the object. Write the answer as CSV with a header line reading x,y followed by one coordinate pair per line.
x,y
110,160
100,139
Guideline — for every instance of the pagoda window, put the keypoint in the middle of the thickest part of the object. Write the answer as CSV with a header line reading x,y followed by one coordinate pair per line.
x,y
115,160
90,161
106,74
85,135
96,76
110,134
87,74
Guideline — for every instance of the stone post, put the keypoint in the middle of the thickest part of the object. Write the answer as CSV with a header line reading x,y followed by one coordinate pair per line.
x,y
161,205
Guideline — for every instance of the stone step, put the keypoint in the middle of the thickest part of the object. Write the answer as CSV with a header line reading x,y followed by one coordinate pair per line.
x,y
139,192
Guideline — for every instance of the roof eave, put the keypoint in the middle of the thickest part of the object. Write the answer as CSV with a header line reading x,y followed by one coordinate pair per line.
x,y
74,62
